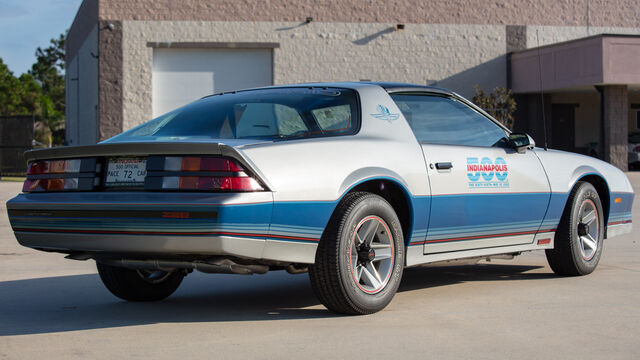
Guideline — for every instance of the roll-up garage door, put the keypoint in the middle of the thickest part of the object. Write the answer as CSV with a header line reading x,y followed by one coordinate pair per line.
x,y
181,76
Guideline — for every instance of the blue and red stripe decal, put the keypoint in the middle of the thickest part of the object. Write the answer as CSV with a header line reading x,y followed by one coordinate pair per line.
x,y
479,237
170,233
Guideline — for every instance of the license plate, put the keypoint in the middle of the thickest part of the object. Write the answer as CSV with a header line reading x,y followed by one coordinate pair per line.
x,y
126,172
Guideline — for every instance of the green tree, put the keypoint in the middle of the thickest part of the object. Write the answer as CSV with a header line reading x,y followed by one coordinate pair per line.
x,y
10,91
39,92
48,71
18,95
31,94
499,104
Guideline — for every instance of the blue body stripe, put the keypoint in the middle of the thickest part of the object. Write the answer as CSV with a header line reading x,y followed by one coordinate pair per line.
x,y
304,221
485,214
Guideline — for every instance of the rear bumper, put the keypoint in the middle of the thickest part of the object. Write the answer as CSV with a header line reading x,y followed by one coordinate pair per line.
x,y
147,224
152,246
146,245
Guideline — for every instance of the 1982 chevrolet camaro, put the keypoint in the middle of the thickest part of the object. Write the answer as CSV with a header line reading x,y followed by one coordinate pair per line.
x,y
350,181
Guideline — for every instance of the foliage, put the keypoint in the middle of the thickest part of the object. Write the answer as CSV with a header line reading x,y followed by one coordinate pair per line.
x,y
39,92
499,104
31,94
17,95
48,71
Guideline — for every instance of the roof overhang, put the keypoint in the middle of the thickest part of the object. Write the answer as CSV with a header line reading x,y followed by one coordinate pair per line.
x,y
604,59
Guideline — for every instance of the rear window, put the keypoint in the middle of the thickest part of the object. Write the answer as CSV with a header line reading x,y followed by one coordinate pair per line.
x,y
278,113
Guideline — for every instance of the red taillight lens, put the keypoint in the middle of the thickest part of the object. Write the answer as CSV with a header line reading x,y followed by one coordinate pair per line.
x,y
636,149
200,163
53,167
219,164
51,184
241,184
214,174
56,175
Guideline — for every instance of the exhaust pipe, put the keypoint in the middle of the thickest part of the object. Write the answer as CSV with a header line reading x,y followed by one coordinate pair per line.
x,y
297,269
217,266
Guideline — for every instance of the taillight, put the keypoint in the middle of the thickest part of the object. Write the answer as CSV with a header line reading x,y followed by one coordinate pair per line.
x,y
200,163
54,167
636,149
198,173
60,175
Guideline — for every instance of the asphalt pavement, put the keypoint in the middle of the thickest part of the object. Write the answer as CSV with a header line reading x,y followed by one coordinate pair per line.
x,y
53,308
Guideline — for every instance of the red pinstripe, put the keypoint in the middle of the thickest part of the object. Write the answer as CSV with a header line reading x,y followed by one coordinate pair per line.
x,y
165,233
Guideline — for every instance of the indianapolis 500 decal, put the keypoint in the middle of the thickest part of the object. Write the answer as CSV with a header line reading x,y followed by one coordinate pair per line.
x,y
485,173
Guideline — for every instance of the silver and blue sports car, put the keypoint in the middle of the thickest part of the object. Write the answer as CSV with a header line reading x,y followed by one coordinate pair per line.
x,y
350,181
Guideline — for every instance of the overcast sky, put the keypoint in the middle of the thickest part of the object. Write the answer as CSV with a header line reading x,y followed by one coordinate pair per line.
x,y
27,24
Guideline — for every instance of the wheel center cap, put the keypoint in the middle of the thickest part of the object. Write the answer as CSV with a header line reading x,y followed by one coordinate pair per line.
x,y
583,229
367,255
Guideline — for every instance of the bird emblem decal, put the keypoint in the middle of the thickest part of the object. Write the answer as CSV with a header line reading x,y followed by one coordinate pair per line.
x,y
384,114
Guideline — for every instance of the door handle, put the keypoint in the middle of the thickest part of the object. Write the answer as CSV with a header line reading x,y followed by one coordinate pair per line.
x,y
444,165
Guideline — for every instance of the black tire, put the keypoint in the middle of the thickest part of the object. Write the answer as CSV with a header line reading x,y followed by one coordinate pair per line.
x,y
139,285
571,255
334,277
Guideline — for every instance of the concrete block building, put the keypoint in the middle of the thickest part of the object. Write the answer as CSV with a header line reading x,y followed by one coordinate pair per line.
x,y
129,61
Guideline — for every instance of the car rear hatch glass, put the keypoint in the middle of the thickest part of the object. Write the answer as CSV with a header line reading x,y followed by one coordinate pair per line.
x,y
264,114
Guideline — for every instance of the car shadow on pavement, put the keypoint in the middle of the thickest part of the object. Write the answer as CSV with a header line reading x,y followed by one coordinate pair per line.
x,y
418,278
80,302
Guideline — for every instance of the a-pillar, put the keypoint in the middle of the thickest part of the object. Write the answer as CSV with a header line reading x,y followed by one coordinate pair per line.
x,y
615,124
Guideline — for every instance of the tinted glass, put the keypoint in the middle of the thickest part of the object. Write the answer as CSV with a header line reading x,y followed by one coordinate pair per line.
x,y
284,113
634,138
444,120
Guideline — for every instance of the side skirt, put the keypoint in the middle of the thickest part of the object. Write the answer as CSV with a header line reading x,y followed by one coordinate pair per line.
x,y
541,241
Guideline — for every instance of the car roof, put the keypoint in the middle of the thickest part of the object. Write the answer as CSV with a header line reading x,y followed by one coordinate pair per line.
x,y
389,87
401,87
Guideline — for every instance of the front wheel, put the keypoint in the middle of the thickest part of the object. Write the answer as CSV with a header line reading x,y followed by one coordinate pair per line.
x,y
578,241
360,257
139,285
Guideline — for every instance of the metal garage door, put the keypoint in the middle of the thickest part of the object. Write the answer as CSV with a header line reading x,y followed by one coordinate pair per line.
x,y
181,76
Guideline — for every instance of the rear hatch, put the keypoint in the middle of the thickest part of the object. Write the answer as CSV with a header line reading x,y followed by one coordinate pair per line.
x,y
103,197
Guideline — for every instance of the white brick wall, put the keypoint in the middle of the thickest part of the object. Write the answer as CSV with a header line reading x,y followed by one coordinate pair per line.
x,y
456,56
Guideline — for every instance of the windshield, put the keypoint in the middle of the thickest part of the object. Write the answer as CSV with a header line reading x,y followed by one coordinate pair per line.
x,y
278,113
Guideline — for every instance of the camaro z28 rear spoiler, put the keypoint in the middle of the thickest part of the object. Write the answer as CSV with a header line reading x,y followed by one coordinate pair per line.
x,y
143,149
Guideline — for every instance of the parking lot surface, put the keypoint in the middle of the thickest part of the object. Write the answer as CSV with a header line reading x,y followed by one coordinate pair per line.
x,y
55,308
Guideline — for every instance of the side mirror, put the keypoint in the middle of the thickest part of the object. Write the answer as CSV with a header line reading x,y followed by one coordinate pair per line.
x,y
521,142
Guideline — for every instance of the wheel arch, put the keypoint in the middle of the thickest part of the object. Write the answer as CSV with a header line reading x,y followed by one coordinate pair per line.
x,y
602,187
395,192
398,198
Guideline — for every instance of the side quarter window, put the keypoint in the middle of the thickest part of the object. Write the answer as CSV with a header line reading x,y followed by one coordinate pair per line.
x,y
445,120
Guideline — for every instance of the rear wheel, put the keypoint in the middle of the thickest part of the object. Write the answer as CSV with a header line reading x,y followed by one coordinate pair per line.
x,y
360,257
578,241
139,285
